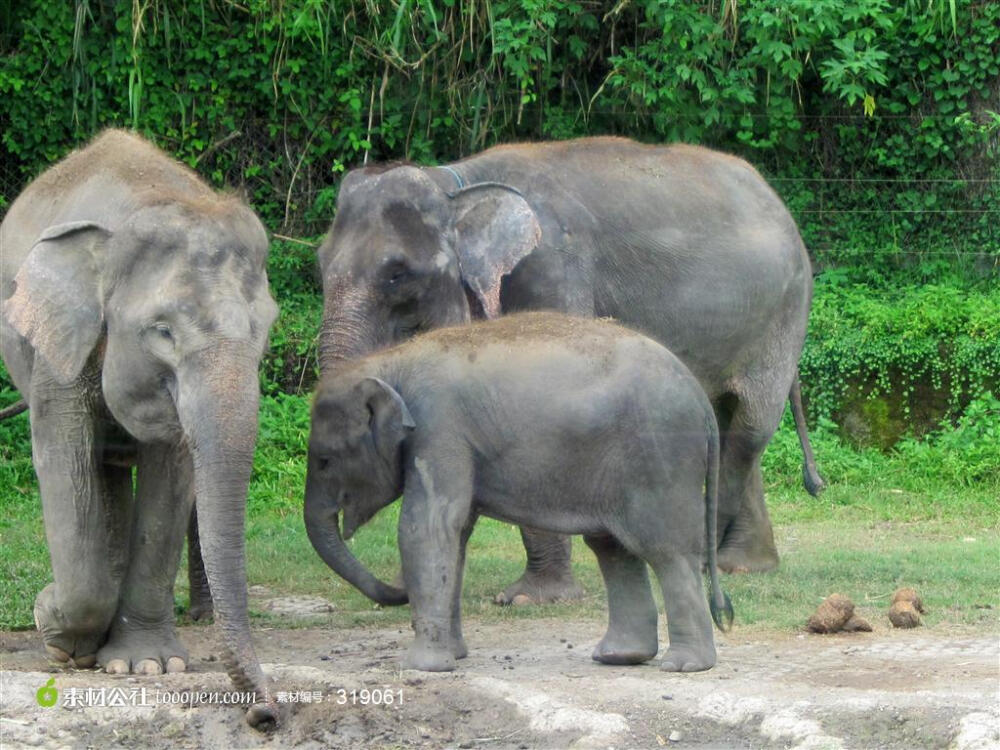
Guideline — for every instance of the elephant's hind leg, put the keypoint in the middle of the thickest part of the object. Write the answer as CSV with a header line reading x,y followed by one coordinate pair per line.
x,y
200,606
631,636
692,645
547,576
746,539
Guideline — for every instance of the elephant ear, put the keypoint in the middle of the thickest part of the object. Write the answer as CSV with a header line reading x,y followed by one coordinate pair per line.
x,y
56,304
389,420
495,228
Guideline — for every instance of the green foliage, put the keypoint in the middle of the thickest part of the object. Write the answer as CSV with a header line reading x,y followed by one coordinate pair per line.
x,y
963,455
279,476
875,341
281,97
15,441
291,365
953,472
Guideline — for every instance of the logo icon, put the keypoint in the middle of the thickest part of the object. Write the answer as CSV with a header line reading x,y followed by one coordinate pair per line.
x,y
48,696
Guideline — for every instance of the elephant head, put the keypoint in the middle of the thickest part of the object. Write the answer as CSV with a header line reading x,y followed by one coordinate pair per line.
x,y
172,302
355,466
405,256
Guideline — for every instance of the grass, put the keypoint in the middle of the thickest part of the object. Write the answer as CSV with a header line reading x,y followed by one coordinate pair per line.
x,y
883,522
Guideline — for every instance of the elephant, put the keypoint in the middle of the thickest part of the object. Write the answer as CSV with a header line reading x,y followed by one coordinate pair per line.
x,y
134,312
688,245
569,425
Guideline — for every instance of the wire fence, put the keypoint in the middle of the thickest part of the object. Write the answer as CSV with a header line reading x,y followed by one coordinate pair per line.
x,y
293,187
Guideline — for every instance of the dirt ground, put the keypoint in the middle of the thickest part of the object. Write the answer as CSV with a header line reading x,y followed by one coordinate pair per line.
x,y
532,684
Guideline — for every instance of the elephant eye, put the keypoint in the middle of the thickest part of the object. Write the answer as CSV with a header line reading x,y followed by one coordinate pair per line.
x,y
396,273
164,332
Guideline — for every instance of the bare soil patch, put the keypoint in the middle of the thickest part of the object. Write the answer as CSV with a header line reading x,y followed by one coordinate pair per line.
x,y
532,684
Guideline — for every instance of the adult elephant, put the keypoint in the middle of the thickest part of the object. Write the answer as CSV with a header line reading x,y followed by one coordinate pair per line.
x,y
135,310
688,245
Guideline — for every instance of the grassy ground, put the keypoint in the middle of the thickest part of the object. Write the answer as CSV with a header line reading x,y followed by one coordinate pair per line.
x,y
884,521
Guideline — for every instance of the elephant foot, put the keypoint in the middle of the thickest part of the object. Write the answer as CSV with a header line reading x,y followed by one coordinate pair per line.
x,y
428,659
200,609
748,551
735,559
687,659
68,643
148,652
540,588
458,648
625,648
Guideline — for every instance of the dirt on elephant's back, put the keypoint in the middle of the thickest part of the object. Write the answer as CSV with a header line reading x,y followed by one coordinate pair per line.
x,y
532,684
587,335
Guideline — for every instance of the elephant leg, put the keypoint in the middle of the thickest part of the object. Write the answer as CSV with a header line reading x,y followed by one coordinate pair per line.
x,y
74,612
746,540
692,645
142,638
631,636
458,647
119,506
437,509
200,604
548,576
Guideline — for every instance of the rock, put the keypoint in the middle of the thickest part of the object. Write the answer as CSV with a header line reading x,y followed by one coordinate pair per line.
x,y
831,615
298,606
909,595
676,736
857,625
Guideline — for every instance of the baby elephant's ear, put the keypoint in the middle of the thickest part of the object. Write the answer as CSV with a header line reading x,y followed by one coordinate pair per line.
x,y
389,418
57,304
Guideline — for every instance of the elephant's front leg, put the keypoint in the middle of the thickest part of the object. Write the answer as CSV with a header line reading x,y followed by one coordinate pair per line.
x,y
74,612
436,511
548,576
142,638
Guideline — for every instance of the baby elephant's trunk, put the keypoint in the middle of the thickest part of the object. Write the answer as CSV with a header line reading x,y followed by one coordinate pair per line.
x,y
322,519
718,603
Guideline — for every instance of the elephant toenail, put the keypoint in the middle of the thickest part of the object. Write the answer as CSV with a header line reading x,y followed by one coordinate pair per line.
x,y
176,664
117,666
148,666
57,654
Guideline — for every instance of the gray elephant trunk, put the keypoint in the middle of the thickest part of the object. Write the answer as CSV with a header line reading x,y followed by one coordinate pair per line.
x,y
323,527
348,330
218,410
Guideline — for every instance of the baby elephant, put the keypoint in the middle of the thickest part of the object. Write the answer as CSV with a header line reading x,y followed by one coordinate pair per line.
x,y
570,425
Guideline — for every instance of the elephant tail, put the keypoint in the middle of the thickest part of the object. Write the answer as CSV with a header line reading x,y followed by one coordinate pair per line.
x,y
810,476
13,410
718,603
